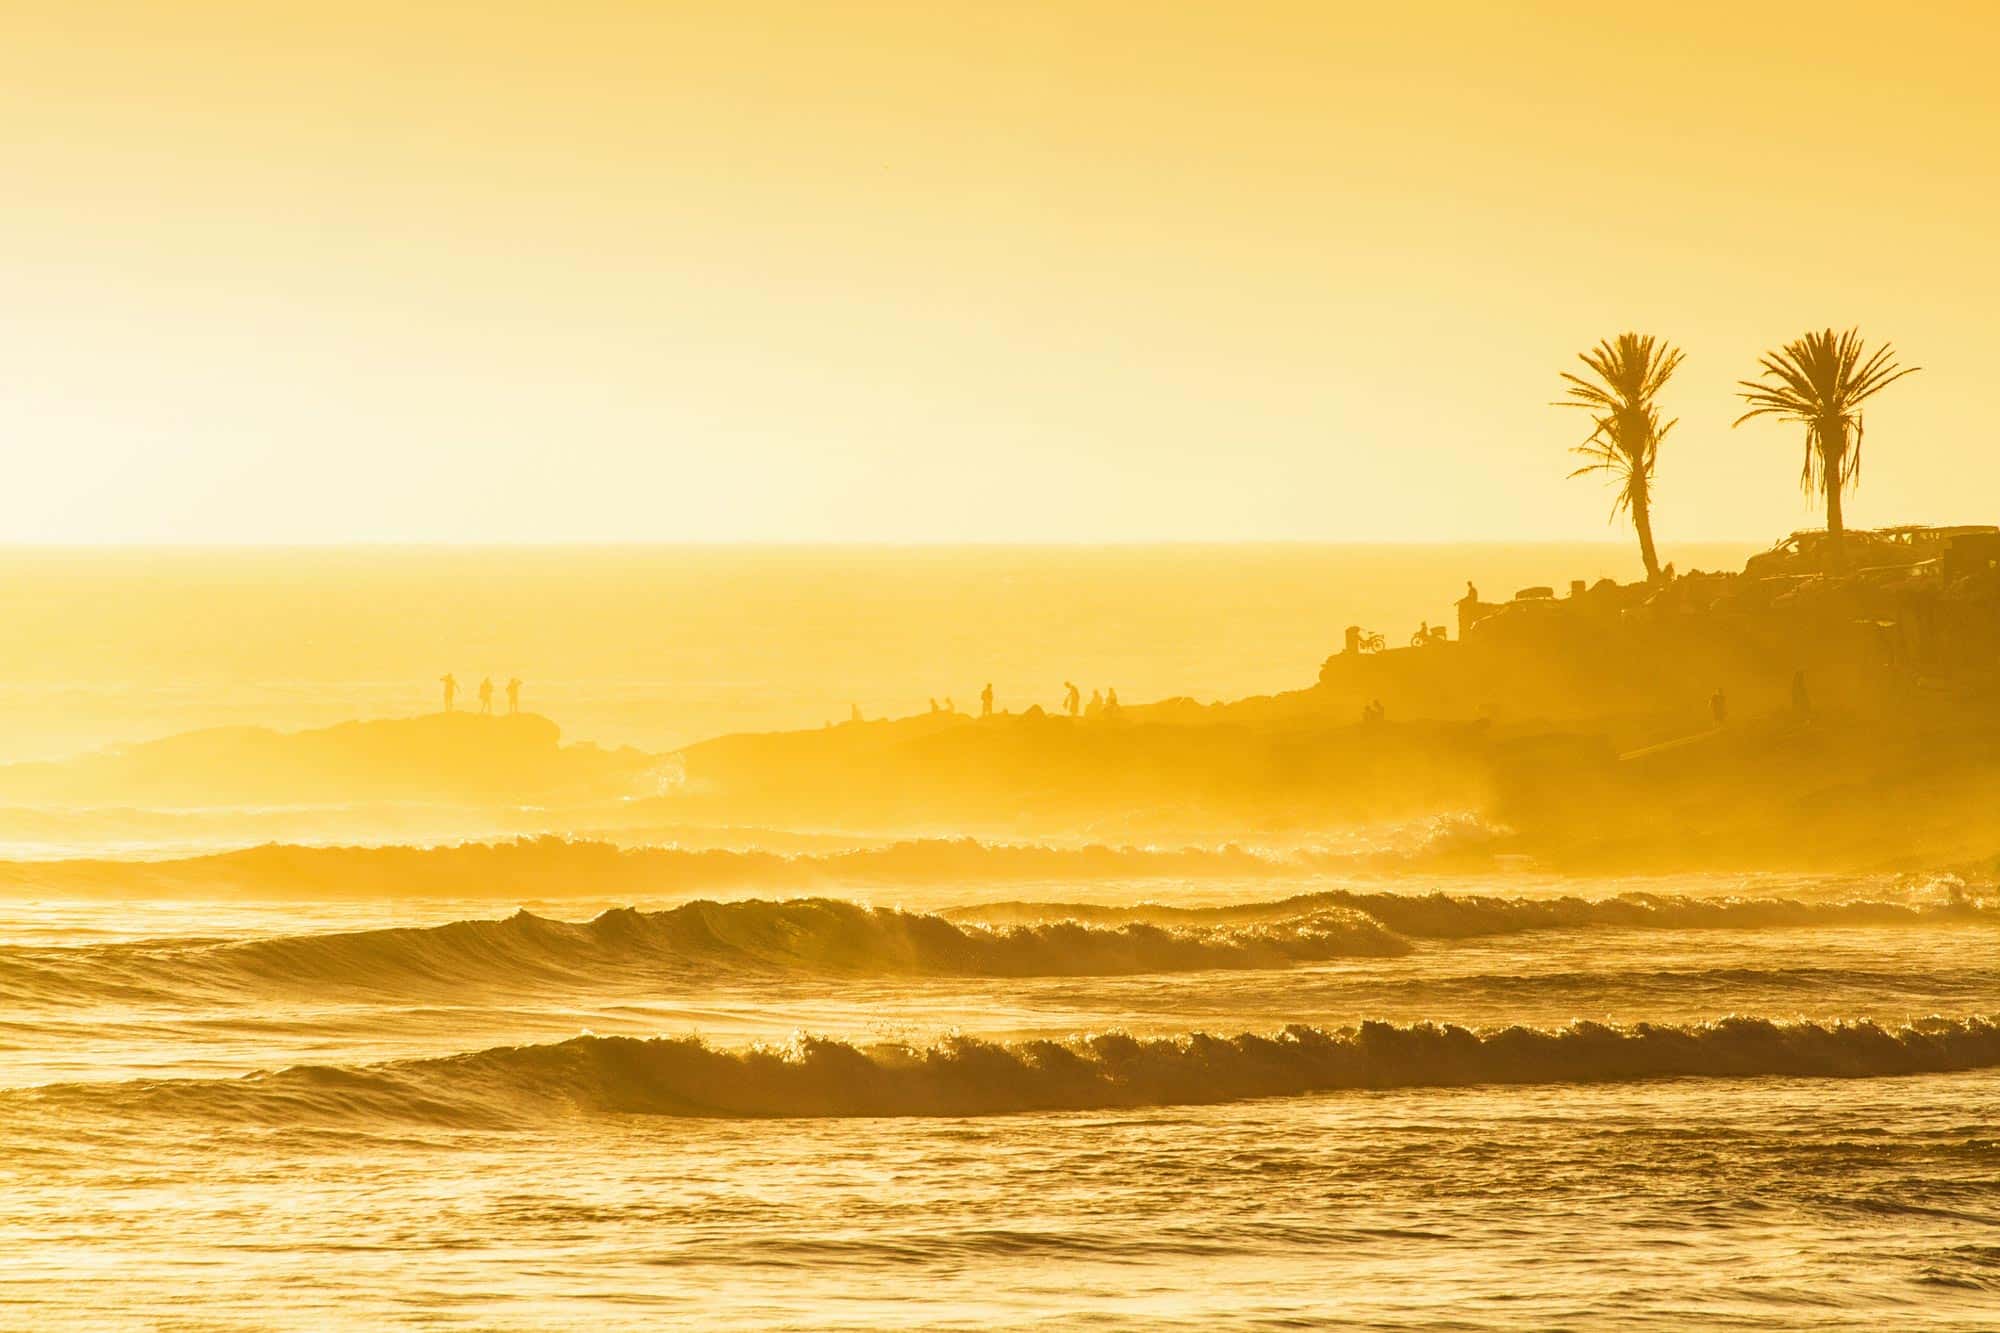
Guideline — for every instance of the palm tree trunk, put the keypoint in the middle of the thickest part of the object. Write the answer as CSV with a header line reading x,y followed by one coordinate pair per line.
x,y
1832,473
1642,519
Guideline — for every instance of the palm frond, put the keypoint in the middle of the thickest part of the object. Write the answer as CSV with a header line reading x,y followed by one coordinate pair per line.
x,y
1626,374
1820,379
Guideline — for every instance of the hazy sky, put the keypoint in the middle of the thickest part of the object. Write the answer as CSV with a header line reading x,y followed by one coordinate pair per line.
x,y
1079,270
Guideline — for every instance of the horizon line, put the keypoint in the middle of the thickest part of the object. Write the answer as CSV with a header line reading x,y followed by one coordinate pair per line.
x,y
836,544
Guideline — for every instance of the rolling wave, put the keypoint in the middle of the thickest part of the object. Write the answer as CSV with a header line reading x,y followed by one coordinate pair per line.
x,y
1446,916
634,948
555,866
813,1077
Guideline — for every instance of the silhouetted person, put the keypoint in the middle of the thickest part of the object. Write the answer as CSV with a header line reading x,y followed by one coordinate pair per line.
x,y
1096,705
486,696
986,700
1072,698
1718,706
450,683
1111,701
513,695
949,706
854,712
1801,701
934,706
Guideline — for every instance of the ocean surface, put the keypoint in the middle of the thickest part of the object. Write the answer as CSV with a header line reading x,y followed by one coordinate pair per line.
x,y
836,1081
1167,1101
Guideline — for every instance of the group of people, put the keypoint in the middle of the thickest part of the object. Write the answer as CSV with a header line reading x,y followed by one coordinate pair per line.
x,y
1802,708
1102,702
985,704
450,683
1100,705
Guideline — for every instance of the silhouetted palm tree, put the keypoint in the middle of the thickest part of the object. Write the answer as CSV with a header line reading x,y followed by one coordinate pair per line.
x,y
1820,380
1625,424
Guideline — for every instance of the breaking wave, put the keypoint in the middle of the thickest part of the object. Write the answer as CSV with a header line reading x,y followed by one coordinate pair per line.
x,y
812,1077
629,947
1446,916
553,866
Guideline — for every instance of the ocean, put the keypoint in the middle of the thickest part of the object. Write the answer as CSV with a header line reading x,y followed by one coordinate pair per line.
x,y
1179,1103
881,1084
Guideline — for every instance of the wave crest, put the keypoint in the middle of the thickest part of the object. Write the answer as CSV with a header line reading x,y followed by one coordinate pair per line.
x,y
550,866
817,1077
626,947
1466,916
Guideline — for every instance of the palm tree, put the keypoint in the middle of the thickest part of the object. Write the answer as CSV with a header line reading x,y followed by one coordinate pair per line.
x,y
1820,380
1625,423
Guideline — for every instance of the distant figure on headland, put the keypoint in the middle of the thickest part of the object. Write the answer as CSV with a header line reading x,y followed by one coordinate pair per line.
x,y
1801,701
1468,607
854,712
986,700
949,706
1373,711
450,683
934,707
486,696
1072,698
513,695
1111,701
1718,706
1096,704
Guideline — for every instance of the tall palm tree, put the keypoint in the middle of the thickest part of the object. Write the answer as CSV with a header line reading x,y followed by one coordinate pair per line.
x,y
1820,380
1625,423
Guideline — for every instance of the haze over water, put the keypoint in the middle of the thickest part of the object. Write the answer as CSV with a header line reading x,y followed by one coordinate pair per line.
x,y
661,646
432,1095
891,666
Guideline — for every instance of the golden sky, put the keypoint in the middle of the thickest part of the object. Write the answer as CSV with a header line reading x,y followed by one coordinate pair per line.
x,y
1066,271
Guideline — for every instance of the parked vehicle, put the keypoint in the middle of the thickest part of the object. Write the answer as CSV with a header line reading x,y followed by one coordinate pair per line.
x,y
1806,551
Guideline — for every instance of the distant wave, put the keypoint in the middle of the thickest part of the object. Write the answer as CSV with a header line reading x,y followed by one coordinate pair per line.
x,y
552,866
1466,916
967,1076
628,947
